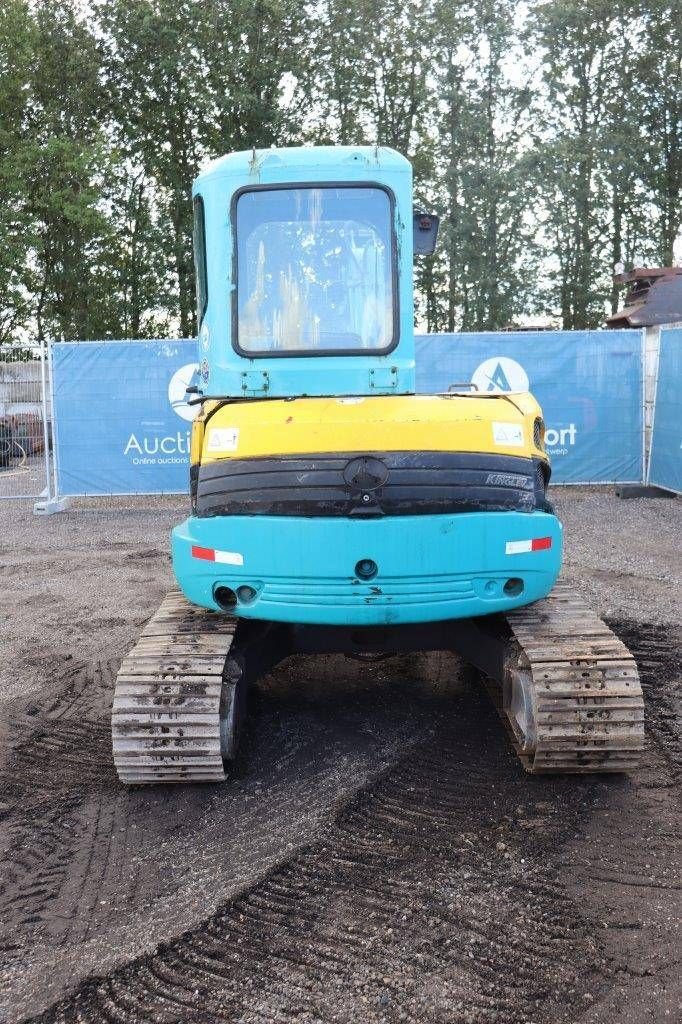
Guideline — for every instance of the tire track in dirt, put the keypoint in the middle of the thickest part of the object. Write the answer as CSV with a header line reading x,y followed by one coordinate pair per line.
x,y
447,890
53,760
89,865
426,892
658,652
627,867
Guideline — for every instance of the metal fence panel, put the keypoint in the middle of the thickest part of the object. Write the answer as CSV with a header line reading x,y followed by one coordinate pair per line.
x,y
665,460
24,422
122,425
589,384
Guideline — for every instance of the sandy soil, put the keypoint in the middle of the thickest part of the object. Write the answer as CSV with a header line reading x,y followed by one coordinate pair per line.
x,y
376,855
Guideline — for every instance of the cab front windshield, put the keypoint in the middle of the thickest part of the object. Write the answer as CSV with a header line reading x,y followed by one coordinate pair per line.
x,y
314,270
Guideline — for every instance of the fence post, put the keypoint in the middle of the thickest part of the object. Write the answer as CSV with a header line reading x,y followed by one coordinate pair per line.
x,y
51,503
46,423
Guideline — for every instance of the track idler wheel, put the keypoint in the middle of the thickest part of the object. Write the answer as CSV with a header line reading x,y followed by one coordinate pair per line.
x,y
232,708
519,703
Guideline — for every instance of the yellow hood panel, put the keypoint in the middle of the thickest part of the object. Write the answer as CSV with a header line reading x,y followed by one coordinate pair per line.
x,y
498,423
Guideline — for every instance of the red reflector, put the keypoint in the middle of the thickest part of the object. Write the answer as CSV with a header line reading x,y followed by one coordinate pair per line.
x,y
541,543
206,553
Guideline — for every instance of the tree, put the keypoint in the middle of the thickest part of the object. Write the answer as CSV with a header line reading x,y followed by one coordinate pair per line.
x,y
253,52
141,278
659,70
63,164
337,83
484,180
186,81
16,281
579,65
547,135
156,96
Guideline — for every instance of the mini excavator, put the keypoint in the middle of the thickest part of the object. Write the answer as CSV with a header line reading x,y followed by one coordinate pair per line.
x,y
335,510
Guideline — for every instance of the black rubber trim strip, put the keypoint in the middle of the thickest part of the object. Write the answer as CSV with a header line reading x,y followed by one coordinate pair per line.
x,y
371,484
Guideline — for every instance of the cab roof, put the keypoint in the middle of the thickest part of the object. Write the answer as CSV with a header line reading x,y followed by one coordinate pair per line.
x,y
252,163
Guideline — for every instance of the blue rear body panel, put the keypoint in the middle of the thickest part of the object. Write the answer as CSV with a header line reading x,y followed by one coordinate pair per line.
x,y
430,567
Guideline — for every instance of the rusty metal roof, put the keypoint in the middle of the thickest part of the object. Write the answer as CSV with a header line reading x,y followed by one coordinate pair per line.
x,y
654,296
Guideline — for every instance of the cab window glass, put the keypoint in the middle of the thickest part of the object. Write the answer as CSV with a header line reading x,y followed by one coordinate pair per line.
x,y
314,270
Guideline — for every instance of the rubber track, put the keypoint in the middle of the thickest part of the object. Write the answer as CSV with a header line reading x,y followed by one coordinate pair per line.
x,y
166,713
587,695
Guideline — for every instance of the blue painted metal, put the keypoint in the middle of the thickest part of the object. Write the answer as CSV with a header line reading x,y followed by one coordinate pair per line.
x,y
301,375
429,567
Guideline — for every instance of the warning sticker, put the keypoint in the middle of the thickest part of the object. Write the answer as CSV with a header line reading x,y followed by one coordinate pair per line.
x,y
508,434
223,439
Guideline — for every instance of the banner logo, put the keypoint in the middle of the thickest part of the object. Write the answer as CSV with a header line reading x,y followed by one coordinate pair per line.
x,y
500,373
177,390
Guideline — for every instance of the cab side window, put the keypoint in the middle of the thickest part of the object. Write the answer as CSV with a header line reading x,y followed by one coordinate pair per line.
x,y
199,236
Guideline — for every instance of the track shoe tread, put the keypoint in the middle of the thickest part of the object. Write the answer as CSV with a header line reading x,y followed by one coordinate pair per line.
x,y
583,686
165,721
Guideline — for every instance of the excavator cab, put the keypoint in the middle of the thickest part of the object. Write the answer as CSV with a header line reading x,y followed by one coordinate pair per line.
x,y
301,258
335,510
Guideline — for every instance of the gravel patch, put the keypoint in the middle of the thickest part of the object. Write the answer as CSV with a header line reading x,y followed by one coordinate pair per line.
x,y
377,853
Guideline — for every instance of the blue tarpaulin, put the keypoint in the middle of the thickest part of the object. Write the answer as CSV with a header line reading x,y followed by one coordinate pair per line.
x,y
121,422
589,384
122,425
665,462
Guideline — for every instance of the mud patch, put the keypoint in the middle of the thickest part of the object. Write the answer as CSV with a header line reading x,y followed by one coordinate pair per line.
x,y
451,887
658,653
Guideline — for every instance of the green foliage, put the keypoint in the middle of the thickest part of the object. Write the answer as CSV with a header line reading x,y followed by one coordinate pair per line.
x,y
548,136
185,80
16,279
658,72
482,167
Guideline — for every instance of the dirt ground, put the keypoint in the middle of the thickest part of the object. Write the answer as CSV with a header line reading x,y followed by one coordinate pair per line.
x,y
377,854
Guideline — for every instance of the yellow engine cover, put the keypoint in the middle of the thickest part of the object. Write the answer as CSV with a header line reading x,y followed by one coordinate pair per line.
x,y
501,424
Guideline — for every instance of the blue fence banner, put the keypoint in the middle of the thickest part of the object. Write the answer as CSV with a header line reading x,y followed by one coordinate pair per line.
x,y
122,424
665,459
589,383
